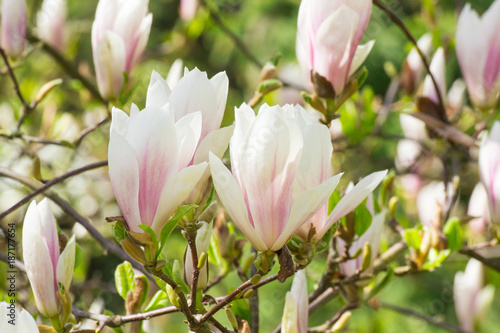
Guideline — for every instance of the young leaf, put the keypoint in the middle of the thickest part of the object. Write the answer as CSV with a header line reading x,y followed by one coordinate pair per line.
x,y
453,232
159,300
172,223
124,279
150,231
362,219
413,238
119,231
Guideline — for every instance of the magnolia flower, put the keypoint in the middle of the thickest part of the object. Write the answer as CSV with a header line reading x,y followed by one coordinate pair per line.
x,y
438,69
188,9
429,198
472,299
266,152
203,237
322,222
478,207
150,163
45,266
409,150
296,311
329,32
13,27
120,33
478,51
192,93
51,23
413,67
489,170
372,236
14,321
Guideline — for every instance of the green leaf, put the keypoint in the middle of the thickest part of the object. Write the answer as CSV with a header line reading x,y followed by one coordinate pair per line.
x,y
159,300
172,223
413,238
333,200
150,231
362,219
381,285
453,232
124,279
210,199
435,259
79,257
119,231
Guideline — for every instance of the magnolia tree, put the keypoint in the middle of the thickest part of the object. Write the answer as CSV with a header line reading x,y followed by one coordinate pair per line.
x,y
261,196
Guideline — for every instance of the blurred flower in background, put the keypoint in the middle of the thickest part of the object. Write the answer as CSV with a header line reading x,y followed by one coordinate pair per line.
x,y
120,33
489,170
51,23
478,51
472,298
13,27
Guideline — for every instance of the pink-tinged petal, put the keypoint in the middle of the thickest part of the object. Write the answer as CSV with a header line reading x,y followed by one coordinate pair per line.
x,y
332,53
438,69
355,197
478,203
142,41
360,56
489,170
51,23
175,192
48,230
490,27
215,142
158,91
109,62
456,95
194,92
220,82
305,206
188,130
231,197
188,9
471,47
66,264
244,116
153,138
102,23
299,292
124,175
268,164
13,27
36,257
429,197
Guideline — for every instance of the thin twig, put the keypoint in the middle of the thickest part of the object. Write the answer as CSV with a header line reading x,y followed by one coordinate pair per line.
x,y
394,18
89,130
69,69
66,207
52,183
191,238
429,319
488,262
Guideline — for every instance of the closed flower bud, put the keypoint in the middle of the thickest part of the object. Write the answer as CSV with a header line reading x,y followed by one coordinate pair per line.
x,y
51,23
328,37
296,311
13,27
478,51
45,265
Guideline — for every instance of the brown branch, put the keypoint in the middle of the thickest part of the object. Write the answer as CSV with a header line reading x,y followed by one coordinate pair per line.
x,y
429,319
66,207
52,183
89,130
473,254
394,18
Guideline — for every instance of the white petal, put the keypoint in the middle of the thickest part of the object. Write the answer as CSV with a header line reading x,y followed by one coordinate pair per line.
x,y
124,176
305,206
66,264
231,198
176,190
356,196
360,56
215,142
158,91
188,130
109,62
